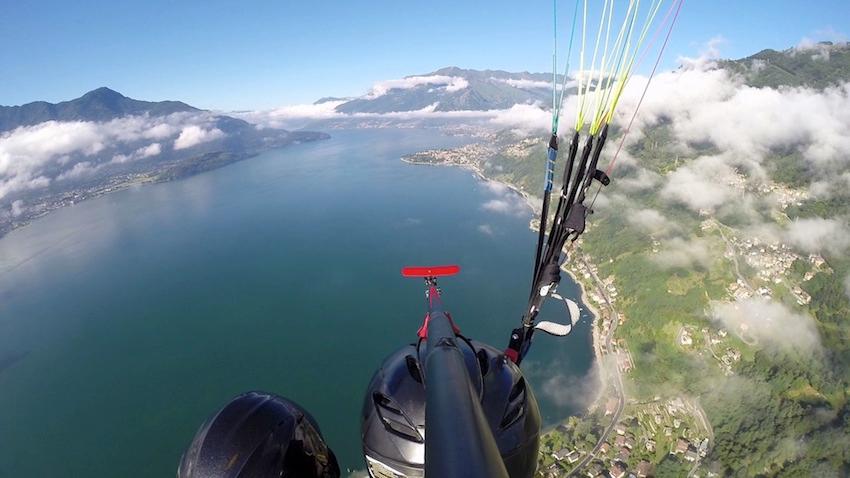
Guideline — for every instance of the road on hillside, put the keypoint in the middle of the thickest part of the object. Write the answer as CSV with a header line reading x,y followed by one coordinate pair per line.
x,y
618,378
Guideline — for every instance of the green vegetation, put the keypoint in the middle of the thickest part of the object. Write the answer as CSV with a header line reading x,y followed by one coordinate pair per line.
x,y
774,411
836,205
780,412
671,467
199,164
806,67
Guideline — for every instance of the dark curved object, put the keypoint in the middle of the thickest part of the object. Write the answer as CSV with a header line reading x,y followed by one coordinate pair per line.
x,y
393,427
460,442
259,435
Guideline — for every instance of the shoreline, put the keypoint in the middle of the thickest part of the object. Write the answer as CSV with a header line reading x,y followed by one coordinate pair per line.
x,y
595,339
173,170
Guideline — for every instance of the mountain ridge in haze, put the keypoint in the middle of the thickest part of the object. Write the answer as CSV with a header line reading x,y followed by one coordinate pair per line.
x,y
454,89
101,104
460,89
814,65
103,141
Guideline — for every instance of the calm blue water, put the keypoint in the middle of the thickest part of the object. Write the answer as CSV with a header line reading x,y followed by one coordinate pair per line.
x,y
126,320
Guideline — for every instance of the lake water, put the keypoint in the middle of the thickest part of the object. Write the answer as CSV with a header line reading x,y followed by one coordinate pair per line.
x,y
126,320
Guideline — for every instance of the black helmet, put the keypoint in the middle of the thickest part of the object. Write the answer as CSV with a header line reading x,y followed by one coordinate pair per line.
x,y
393,416
259,434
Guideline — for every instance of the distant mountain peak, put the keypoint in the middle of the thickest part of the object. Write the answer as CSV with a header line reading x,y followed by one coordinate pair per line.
x,y
468,90
103,92
814,64
327,99
101,104
450,71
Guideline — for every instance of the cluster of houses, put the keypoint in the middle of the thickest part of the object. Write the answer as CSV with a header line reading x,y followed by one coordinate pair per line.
x,y
521,149
467,155
725,358
785,196
772,261
618,465
619,470
689,451
613,458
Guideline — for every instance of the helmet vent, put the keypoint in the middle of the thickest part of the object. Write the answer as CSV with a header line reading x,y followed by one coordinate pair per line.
x,y
394,419
413,368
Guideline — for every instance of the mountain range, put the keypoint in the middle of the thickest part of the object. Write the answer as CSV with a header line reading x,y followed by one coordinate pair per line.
x,y
52,155
816,65
458,89
101,104
108,137
454,89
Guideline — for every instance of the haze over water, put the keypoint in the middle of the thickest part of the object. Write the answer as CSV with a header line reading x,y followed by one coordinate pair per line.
x,y
127,320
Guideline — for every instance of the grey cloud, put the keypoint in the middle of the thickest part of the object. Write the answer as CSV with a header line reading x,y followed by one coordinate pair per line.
x,y
768,322
31,155
701,184
678,252
818,235
650,221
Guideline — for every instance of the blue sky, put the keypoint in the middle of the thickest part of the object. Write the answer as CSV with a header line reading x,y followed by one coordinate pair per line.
x,y
249,55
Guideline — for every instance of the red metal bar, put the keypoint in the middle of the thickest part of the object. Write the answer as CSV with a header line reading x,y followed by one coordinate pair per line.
x,y
430,271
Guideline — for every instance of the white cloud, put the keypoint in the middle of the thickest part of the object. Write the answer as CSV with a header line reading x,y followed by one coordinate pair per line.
x,y
80,170
701,184
709,53
768,322
31,155
152,149
28,146
565,390
449,83
283,116
525,84
650,221
486,229
160,131
681,253
522,117
817,235
758,66
640,181
819,50
194,135
500,205
496,187
506,200
707,105
525,118
22,182
17,208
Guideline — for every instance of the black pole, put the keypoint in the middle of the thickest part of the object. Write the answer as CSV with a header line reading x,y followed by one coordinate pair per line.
x,y
458,441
